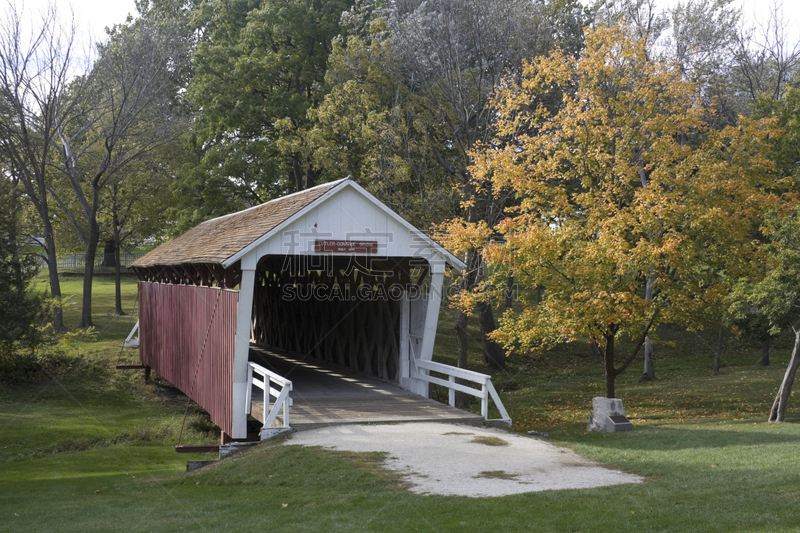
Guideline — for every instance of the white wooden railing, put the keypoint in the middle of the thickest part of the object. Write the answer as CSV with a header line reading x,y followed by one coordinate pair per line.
x,y
281,395
130,341
486,390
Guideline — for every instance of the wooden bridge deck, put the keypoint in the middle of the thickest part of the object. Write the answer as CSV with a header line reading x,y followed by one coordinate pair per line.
x,y
325,396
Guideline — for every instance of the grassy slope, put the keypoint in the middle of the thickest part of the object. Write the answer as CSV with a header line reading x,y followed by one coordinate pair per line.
x,y
91,450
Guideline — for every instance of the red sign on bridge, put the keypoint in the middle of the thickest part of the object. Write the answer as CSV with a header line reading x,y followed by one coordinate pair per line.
x,y
352,247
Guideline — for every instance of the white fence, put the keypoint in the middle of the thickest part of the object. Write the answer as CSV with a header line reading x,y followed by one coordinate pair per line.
x,y
281,395
264,379
484,392
79,260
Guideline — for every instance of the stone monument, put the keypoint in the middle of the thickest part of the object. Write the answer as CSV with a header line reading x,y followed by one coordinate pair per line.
x,y
608,415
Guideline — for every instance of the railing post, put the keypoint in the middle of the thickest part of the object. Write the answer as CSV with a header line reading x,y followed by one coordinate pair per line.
x,y
452,392
267,386
497,403
485,390
249,393
485,401
285,411
282,399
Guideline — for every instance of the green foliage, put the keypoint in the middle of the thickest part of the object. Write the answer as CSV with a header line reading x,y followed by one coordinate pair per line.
x,y
259,68
371,125
777,295
624,183
22,309
750,303
786,149
409,93
51,356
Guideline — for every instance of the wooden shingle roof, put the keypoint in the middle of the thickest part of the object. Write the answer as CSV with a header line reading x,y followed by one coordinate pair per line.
x,y
216,240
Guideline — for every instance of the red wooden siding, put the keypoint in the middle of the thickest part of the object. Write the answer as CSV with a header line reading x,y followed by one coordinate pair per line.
x,y
175,322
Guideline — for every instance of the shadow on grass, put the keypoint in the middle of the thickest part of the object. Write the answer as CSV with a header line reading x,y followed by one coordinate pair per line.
x,y
670,439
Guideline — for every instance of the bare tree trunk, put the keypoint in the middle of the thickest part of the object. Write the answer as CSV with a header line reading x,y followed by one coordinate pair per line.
x,y
718,352
609,354
36,189
13,237
608,360
297,174
117,264
493,354
462,400
117,283
778,411
108,254
509,292
649,371
88,275
55,284
50,249
461,338
593,349
765,352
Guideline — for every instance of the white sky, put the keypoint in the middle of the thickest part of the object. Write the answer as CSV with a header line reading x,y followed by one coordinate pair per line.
x,y
91,16
94,15
752,10
97,14
760,10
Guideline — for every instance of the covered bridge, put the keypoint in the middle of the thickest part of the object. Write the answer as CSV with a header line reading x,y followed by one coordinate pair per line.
x,y
329,274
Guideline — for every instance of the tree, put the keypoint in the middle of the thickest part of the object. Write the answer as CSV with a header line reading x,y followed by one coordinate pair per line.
x,y
66,131
259,67
705,42
21,310
767,59
624,183
371,126
642,17
123,110
700,35
135,207
750,323
777,296
34,74
409,100
784,151
704,36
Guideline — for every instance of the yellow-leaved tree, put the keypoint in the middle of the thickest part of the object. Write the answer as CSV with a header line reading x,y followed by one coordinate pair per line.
x,y
630,211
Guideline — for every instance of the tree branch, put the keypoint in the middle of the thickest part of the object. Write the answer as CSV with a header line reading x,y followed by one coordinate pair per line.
x,y
642,339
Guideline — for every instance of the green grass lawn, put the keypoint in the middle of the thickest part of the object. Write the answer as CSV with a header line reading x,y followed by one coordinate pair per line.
x,y
88,448
107,326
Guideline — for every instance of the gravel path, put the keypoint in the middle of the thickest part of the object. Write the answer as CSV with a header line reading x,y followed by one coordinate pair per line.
x,y
460,460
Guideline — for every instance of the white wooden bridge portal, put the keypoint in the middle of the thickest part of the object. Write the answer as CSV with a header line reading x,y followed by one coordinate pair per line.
x,y
325,298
